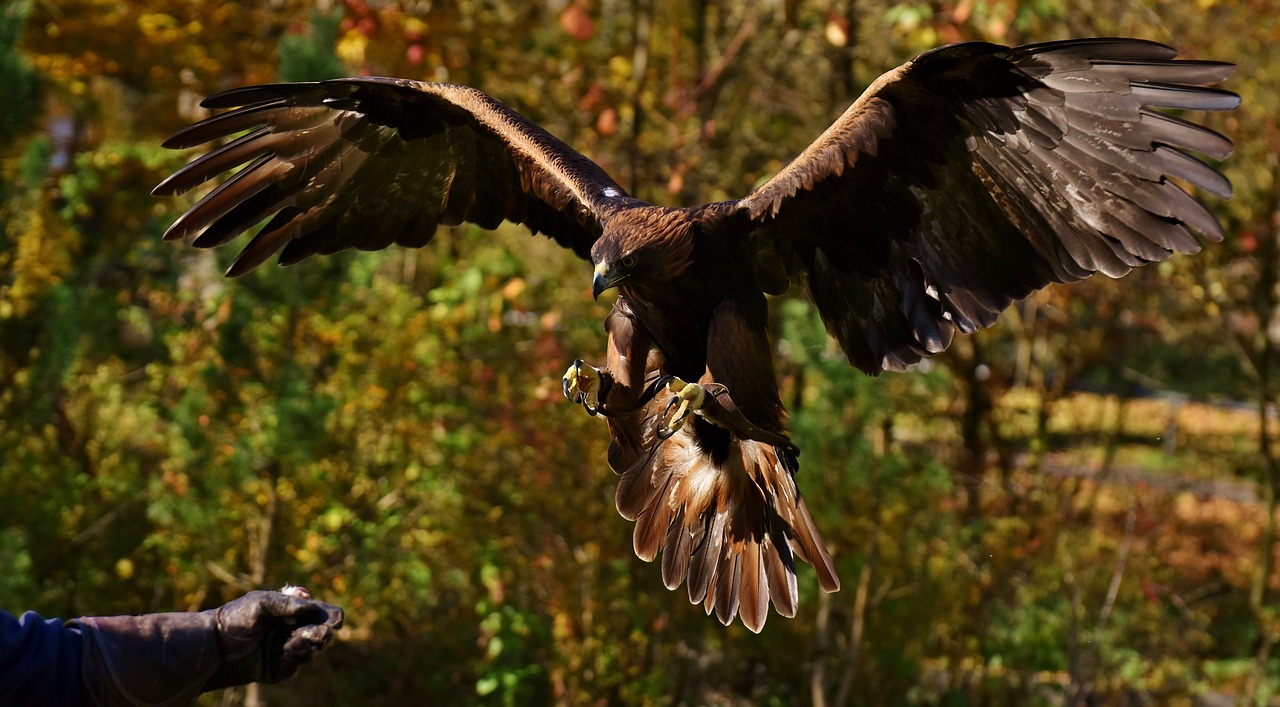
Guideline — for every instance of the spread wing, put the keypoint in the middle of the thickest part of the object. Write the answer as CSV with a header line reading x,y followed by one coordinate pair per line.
x,y
975,174
368,162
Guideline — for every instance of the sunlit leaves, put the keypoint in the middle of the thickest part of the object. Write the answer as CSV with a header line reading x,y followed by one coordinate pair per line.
x,y
388,428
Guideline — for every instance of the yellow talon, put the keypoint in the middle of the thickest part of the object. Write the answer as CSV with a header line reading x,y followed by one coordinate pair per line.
x,y
581,384
689,398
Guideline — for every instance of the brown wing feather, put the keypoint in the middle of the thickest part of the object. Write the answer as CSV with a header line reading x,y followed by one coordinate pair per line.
x,y
365,163
975,174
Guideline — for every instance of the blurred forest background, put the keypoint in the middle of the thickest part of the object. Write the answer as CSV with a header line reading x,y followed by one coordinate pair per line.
x,y
1076,507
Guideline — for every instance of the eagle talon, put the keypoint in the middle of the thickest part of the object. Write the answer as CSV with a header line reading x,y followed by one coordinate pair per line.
x,y
689,398
581,385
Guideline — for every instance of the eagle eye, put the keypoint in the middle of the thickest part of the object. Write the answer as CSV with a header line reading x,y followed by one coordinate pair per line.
x,y
629,262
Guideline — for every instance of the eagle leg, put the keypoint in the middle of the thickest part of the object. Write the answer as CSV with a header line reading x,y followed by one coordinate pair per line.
x,y
713,402
688,399
586,385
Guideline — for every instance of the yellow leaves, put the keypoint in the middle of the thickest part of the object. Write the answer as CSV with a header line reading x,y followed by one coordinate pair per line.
x,y
619,68
334,518
375,396
161,28
309,554
562,628
44,247
351,48
415,28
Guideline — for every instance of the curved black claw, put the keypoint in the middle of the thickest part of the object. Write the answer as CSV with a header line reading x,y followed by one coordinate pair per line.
x,y
664,430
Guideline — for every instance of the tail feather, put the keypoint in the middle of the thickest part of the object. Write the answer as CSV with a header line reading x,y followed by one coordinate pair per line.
x,y
780,570
675,561
727,588
812,550
653,519
795,512
753,591
706,557
729,525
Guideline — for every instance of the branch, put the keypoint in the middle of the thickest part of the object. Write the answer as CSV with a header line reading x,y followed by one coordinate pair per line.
x,y
1118,574
103,522
746,29
859,623
241,583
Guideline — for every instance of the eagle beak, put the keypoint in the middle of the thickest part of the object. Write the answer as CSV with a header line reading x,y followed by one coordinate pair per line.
x,y
605,278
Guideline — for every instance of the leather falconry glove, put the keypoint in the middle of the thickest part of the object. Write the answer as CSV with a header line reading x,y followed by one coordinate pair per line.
x,y
169,659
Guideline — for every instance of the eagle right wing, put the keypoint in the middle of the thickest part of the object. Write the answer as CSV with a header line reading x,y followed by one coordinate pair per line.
x,y
976,174
370,162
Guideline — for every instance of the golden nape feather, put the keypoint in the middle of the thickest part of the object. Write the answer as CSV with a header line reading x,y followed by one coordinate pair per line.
x,y
731,527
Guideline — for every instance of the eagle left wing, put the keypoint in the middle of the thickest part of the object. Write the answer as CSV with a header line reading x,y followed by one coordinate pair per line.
x,y
368,162
976,174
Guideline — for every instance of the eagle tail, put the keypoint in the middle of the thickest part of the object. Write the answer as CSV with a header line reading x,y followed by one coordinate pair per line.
x,y
729,525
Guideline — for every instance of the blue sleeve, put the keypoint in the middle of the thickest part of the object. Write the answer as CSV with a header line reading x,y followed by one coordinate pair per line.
x,y
39,662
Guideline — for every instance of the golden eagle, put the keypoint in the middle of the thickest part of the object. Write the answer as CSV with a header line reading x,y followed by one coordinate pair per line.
x,y
958,183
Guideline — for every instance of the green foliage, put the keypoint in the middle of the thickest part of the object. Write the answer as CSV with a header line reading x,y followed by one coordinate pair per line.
x,y
19,84
309,55
388,428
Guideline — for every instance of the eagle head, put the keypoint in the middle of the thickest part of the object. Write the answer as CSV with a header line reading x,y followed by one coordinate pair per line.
x,y
642,246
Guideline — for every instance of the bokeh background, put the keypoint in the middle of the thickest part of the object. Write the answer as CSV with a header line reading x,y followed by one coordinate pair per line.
x,y
1076,507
